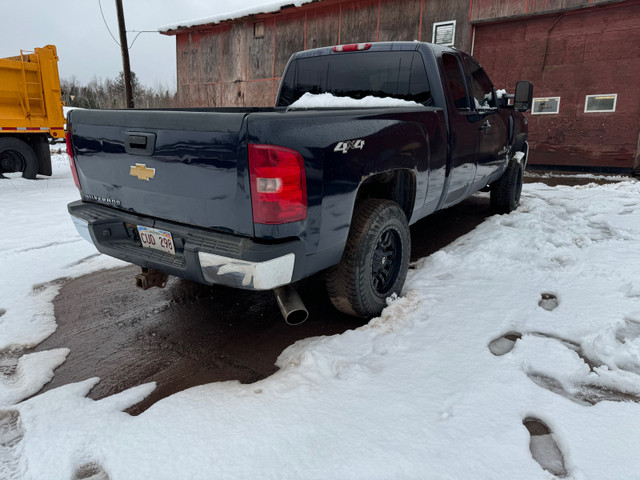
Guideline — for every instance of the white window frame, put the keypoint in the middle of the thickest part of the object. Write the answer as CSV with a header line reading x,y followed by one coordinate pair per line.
x,y
436,25
533,102
615,101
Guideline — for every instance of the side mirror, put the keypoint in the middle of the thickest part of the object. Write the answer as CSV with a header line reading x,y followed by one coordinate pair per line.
x,y
523,96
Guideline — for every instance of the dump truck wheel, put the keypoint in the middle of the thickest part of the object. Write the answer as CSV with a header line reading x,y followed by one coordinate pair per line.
x,y
18,156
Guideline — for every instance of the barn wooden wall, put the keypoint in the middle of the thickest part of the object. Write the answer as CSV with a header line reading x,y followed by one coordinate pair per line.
x,y
571,55
568,48
228,65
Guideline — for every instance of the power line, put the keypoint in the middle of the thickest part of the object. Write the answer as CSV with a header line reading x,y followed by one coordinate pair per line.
x,y
138,34
105,23
128,31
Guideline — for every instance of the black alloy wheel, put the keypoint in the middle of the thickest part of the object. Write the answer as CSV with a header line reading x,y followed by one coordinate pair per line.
x,y
386,261
375,260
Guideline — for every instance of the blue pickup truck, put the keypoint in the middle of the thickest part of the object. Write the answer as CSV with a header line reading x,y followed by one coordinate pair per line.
x,y
258,198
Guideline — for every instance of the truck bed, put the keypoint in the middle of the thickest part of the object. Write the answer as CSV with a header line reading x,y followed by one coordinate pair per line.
x,y
191,166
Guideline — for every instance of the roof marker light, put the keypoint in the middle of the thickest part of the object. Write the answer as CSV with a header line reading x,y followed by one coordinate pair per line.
x,y
352,47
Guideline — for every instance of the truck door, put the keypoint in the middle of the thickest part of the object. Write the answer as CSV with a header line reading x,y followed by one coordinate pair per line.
x,y
492,128
463,131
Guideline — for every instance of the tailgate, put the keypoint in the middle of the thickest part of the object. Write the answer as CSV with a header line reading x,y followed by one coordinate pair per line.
x,y
184,166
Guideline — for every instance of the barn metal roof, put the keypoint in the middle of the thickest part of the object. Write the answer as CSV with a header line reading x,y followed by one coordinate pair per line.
x,y
254,7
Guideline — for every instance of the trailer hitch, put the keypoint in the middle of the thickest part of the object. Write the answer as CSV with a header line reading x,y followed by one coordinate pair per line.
x,y
151,278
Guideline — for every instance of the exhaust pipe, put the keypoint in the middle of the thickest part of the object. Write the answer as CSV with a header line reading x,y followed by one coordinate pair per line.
x,y
291,306
151,278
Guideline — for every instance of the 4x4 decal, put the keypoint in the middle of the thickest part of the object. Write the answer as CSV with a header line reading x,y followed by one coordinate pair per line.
x,y
344,147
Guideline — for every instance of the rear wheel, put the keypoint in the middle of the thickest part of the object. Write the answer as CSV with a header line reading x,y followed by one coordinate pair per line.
x,y
18,156
505,192
375,261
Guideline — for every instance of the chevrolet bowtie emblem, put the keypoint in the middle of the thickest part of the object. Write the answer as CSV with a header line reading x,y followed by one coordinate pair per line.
x,y
142,172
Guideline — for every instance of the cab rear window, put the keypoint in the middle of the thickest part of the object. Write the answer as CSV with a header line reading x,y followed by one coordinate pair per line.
x,y
358,75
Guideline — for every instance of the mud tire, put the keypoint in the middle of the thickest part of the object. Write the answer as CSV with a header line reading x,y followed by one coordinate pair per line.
x,y
505,192
18,156
375,260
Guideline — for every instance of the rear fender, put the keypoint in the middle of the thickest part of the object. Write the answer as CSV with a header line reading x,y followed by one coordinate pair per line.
x,y
396,185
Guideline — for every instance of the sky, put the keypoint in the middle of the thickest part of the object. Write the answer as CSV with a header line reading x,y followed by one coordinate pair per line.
x,y
85,47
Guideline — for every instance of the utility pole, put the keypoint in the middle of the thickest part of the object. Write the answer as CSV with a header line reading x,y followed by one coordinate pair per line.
x,y
126,67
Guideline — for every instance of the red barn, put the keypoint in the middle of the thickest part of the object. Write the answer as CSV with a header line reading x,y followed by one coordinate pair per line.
x,y
583,57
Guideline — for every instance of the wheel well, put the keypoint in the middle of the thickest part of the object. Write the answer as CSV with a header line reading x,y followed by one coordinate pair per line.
x,y
396,185
519,142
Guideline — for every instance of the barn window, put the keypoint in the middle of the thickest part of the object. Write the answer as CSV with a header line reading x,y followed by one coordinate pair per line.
x,y
258,30
600,103
444,33
545,106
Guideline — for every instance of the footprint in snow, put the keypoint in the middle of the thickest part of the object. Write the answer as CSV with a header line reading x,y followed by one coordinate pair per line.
x,y
544,448
11,434
2,311
548,301
8,363
90,471
582,393
504,344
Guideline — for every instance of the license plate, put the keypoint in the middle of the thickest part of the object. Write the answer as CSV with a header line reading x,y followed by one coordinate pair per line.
x,y
156,239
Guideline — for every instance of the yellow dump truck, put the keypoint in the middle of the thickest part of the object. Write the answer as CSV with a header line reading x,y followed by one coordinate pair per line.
x,y
30,111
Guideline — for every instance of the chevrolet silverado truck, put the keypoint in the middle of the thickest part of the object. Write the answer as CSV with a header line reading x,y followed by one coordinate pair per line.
x,y
258,198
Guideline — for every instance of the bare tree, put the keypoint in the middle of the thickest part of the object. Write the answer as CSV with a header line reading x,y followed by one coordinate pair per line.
x,y
109,93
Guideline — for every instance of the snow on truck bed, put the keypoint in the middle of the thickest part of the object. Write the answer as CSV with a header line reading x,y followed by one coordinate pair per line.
x,y
327,100
531,317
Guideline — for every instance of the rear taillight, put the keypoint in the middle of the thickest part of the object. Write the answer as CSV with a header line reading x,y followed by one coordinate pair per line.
x,y
72,162
352,47
278,184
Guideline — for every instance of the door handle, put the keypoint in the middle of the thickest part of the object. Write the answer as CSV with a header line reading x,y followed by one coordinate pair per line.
x,y
139,143
485,127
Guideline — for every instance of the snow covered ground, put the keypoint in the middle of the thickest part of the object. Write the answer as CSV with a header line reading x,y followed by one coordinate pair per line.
x,y
532,317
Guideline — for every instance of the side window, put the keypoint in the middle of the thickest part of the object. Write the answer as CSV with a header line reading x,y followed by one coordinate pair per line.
x,y
419,90
481,87
287,88
455,80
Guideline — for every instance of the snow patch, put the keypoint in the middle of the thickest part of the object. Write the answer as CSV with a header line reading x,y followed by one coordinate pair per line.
x,y
22,376
327,100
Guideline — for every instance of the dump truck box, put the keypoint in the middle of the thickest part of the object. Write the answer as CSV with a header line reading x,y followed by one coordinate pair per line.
x,y
30,111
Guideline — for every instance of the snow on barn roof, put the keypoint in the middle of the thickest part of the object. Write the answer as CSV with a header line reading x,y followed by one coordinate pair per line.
x,y
254,7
